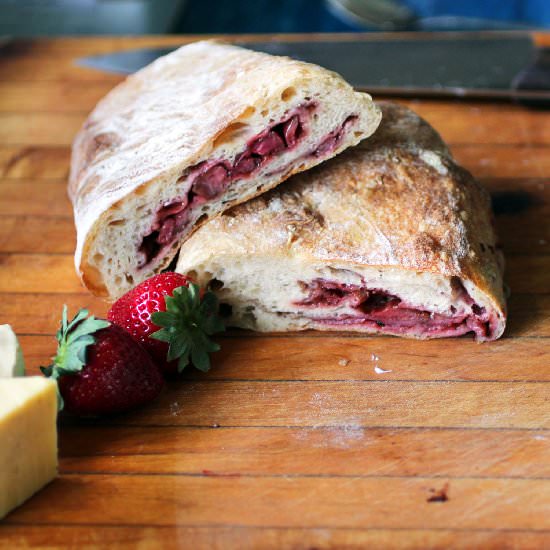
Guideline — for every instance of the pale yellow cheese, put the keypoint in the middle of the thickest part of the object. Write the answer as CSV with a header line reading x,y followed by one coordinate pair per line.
x,y
11,356
28,438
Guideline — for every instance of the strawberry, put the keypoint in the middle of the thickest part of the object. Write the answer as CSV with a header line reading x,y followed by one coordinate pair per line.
x,y
100,369
172,319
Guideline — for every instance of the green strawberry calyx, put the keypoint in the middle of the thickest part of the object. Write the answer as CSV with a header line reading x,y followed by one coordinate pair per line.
x,y
187,324
73,339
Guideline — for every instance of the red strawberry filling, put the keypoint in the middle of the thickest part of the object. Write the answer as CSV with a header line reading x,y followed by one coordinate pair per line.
x,y
387,313
334,138
211,178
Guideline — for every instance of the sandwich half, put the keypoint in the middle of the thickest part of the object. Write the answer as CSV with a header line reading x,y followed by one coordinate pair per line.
x,y
197,131
389,237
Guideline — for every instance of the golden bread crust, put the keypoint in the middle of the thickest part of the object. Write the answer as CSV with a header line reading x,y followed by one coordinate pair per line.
x,y
397,199
160,121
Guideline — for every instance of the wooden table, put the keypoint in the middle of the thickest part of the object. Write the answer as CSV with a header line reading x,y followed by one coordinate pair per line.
x,y
291,440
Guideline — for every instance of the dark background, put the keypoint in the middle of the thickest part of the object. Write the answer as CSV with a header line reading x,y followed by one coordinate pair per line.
x,y
70,17
219,16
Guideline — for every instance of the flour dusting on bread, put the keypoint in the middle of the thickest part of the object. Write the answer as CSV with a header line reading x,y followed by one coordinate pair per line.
x,y
391,236
204,128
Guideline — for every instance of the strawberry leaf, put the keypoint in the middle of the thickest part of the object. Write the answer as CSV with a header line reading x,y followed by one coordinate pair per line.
x,y
186,326
164,335
200,359
211,346
83,329
73,340
165,318
209,321
183,360
178,347
47,371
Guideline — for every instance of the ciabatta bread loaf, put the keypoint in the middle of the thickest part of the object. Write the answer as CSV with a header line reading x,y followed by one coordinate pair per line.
x,y
389,237
197,131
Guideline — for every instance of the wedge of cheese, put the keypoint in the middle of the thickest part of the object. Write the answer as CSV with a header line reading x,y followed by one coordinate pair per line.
x,y
28,438
11,356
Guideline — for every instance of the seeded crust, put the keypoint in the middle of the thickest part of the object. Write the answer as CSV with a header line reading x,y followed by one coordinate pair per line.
x,y
395,210
201,102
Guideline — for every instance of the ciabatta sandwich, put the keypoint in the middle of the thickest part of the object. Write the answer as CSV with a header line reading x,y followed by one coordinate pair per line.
x,y
389,237
197,131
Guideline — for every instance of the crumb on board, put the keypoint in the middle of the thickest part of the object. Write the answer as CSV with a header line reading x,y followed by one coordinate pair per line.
x,y
378,370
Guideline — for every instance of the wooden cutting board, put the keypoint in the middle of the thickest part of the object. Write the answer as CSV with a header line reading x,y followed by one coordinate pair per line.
x,y
291,440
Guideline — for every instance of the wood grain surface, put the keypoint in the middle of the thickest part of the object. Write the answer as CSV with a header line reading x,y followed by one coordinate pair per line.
x,y
291,441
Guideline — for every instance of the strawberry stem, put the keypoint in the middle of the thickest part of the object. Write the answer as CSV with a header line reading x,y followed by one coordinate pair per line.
x,y
73,339
187,324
